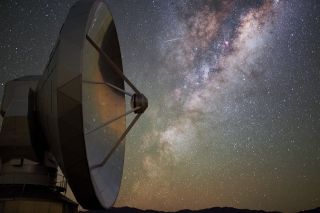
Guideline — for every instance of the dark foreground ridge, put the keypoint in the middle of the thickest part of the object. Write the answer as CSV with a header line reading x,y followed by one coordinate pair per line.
x,y
210,210
316,210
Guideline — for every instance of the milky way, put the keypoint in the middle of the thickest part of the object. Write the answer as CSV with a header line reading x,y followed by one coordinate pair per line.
x,y
234,97
211,66
207,138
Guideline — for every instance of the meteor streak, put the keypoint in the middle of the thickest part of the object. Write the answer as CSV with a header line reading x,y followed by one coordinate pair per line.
x,y
173,39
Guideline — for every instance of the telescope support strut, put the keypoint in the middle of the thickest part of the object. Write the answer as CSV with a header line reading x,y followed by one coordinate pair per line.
x,y
139,103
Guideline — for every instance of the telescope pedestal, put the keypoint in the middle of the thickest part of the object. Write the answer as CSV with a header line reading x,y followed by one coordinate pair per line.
x,y
28,171
21,198
26,186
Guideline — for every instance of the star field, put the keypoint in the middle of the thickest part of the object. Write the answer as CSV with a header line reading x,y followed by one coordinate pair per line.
x,y
234,97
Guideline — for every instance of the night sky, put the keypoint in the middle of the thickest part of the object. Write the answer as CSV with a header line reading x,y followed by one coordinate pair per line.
x,y
233,89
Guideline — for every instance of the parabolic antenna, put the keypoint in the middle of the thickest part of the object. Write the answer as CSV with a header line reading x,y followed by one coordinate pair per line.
x,y
81,104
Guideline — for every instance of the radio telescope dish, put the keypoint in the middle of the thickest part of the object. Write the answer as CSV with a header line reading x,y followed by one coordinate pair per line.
x,y
81,104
